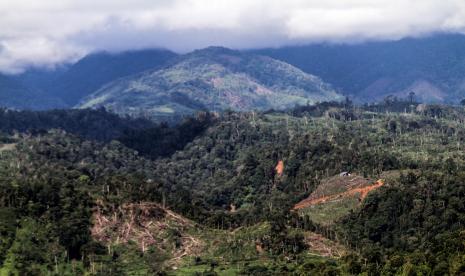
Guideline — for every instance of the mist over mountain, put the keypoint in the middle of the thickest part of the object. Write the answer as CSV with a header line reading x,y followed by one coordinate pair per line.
x,y
91,72
431,67
213,79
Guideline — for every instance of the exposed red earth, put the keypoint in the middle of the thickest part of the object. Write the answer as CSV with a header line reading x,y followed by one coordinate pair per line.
x,y
361,191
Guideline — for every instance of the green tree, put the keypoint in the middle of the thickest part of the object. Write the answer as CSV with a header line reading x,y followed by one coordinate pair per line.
x,y
32,252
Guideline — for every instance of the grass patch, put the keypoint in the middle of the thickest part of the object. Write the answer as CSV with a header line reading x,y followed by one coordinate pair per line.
x,y
330,212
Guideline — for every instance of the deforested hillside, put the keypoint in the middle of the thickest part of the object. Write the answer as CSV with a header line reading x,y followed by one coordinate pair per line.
x,y
223,201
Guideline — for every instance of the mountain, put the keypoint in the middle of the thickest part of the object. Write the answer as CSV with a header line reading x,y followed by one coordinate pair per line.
x,y
216,79
14,94
71,83
432,67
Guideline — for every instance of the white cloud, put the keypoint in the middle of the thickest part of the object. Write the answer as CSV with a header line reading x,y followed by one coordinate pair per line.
x,y
47,32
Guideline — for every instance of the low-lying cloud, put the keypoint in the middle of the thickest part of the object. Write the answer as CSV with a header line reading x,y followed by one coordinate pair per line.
x,y
49,32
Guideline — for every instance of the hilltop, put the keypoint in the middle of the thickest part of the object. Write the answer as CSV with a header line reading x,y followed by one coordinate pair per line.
x,y
214,79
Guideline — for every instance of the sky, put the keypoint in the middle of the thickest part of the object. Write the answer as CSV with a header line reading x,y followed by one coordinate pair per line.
x,y
45,33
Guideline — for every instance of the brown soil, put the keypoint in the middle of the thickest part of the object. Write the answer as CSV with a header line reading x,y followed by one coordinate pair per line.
x,y
359,188
280,168
259,248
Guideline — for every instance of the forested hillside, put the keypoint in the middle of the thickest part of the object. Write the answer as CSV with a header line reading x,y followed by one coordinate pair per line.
x,y
217,78
215,195
214,79
93,71
15,94
91,124
67,84
432,67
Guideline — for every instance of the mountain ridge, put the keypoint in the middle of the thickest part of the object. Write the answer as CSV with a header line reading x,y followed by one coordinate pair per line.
x,y
65,85
432,67
214,78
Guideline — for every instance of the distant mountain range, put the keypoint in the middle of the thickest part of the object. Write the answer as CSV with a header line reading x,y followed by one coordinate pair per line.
x,y
67,85
432,67
218,79
15,94
214,79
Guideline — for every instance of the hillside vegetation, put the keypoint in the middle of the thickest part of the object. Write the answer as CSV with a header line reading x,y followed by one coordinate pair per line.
x,y
15,94
65,85
214,79
221,202
432,67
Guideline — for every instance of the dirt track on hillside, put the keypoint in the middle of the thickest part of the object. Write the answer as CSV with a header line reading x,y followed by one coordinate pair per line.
x,y
363,191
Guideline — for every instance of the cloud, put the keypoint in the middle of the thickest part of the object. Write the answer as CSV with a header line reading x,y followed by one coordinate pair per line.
x,y
48,32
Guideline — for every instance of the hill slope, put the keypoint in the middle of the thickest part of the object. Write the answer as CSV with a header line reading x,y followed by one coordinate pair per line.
x,y
431,67
14,94
216,79
238,181
335,197
70,83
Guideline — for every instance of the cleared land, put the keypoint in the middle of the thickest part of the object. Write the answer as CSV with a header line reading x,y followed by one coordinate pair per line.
x,y
335,197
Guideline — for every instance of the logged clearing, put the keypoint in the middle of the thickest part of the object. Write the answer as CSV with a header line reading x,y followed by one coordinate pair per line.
x,y
362,192
339,187
321,246
336,196
146,224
